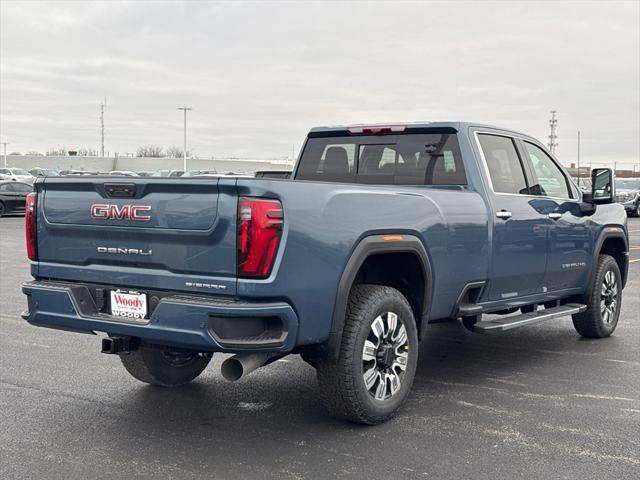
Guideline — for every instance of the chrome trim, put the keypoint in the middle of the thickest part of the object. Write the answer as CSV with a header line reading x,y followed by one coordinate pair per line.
x,y
554,216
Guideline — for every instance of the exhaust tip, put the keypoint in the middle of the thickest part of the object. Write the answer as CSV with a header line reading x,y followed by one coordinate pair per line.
x,y
232,369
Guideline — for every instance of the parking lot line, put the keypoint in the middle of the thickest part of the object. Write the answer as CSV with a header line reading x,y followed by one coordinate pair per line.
x,y
634,261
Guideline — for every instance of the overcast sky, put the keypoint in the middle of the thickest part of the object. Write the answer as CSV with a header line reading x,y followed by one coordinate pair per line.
x,y
260,74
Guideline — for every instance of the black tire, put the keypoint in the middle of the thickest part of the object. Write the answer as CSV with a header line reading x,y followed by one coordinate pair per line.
x,y
342,384
603,300
3,209
164,367
635,212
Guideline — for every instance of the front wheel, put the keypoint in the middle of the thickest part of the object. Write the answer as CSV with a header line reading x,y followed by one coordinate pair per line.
x,y
163,366
377,360
604,300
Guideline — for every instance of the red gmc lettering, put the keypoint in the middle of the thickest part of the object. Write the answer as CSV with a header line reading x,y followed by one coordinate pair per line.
x,y
103,211
136,215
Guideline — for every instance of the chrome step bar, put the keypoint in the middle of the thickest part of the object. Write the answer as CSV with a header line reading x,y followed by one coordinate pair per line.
x,y
507,323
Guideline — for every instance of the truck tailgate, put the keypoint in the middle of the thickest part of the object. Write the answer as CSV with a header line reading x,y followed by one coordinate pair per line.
x,y
176,234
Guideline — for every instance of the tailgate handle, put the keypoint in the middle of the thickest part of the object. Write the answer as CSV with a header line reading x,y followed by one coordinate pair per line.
x,y
120,190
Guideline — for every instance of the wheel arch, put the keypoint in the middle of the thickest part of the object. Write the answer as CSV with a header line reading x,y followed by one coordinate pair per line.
x,y
372,251
614,242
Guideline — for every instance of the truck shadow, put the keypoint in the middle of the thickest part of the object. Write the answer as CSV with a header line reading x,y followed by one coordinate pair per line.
x,y
278,405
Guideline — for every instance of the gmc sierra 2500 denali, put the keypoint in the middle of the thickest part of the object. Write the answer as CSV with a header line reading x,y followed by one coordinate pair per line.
x,y
380,230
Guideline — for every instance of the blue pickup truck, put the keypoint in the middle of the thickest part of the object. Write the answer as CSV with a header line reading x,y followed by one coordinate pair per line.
x,y
379,231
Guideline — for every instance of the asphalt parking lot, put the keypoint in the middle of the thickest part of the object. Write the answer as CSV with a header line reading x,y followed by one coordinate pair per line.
x,y
539,402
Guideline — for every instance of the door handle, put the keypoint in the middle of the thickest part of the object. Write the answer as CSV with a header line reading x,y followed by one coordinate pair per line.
x,y
554,216
504,215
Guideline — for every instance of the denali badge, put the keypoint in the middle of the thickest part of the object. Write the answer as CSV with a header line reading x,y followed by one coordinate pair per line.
x,y
124,251
103,211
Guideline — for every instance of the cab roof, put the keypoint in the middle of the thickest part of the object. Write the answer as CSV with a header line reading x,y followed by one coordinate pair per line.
x,y
403,127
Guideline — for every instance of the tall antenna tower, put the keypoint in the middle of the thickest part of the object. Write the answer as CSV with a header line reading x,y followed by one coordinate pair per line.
x,y
102,105
553,124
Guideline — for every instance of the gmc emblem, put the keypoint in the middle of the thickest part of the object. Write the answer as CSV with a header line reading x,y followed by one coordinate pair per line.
x,y
103,211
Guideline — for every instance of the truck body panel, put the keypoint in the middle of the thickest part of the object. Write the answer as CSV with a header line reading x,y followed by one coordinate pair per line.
x,y
179,237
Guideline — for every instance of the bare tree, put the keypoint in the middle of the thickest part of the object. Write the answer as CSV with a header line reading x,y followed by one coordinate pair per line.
x,y
62,151
176,152
150,151
87,152
15,153
34,152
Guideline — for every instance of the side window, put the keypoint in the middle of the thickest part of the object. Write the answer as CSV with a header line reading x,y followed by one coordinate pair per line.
x,y
505,167
22,188
5,187
4,171
549,180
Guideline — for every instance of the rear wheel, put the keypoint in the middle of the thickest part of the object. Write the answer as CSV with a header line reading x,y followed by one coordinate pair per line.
x,y
377,360
164,366
604,300
3,209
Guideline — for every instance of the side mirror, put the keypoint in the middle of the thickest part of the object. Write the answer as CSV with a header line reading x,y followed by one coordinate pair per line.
x,y
602,186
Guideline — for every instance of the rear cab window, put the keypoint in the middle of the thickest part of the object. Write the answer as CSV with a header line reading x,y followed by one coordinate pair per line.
x,y
401,159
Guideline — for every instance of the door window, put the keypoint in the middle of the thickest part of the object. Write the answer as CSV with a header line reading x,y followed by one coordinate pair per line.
x,y
549,180
503,162
22,188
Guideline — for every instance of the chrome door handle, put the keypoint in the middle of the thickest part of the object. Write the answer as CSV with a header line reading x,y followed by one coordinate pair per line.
x,y
504,215
554,216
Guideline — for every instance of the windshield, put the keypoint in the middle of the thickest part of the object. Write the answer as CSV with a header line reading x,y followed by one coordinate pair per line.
x,y
630,184
19,171
406,159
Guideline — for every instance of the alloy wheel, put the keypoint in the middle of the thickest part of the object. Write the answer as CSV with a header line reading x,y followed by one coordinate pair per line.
x,y
385,356
609,297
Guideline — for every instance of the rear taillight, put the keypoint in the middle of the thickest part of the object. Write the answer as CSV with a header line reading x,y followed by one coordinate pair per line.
x,y
259,231
30,226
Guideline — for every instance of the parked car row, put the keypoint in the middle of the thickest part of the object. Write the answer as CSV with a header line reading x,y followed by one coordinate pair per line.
x,y
21,175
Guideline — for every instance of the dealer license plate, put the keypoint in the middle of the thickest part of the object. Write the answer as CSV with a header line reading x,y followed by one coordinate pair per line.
x,y
129,304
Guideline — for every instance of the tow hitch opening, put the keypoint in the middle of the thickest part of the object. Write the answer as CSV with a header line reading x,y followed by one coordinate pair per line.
x,y
119,345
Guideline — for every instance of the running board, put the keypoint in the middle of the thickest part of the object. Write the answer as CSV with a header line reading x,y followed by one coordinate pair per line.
x,y
507,323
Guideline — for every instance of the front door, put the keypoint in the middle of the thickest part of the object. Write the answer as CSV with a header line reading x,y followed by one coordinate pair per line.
x,y
569,240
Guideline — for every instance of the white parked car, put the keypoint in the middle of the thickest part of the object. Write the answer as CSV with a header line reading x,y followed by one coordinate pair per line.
x,y
16,174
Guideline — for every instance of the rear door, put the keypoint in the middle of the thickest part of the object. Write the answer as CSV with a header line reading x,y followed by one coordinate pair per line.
x,y
173,234
519,245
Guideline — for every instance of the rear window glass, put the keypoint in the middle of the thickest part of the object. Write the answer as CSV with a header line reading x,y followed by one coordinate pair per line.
x,y
408,159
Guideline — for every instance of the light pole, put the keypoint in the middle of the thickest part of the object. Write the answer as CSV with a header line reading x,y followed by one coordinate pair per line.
x,y
4,144
184,148
578,155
